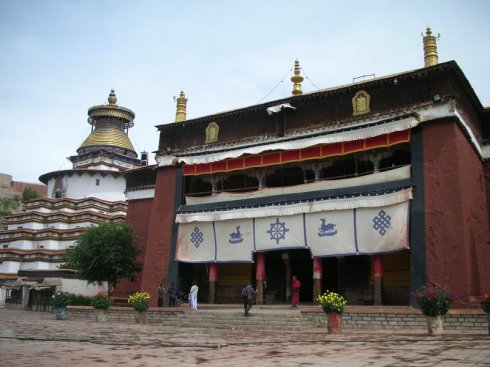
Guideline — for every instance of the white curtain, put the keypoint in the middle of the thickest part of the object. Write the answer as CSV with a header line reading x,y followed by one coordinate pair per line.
x,y
370,230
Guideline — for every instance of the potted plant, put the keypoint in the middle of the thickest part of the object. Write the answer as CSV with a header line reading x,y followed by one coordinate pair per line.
x,y
101,303
485,305
140,301
333,305
434,302
59,302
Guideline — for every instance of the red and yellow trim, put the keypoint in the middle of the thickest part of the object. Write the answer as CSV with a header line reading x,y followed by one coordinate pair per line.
x,y
297,155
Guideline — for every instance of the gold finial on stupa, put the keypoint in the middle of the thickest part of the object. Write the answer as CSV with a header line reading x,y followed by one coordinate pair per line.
x,y
430,48
297,79
112,97
181,113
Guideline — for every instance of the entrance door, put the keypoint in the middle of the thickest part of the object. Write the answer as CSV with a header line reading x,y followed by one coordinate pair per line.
x,y
280,266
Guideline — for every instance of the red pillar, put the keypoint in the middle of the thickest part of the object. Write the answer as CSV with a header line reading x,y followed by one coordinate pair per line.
x,y
317,277
260,276
160,226
213,278
378,279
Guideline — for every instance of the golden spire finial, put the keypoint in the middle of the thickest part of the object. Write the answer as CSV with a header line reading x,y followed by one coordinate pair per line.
x,y
181,113
430,48
297,79
112,97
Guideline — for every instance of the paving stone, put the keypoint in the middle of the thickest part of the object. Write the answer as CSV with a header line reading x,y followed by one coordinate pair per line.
x,y
36,338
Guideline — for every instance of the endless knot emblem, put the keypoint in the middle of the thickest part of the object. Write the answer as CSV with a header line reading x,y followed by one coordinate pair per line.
x,y
382,222
197,237
278,231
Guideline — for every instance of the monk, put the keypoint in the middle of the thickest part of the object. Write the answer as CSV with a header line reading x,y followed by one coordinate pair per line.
x,y
295,289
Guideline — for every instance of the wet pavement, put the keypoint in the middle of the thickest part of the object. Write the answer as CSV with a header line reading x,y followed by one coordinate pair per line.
x,y
38,339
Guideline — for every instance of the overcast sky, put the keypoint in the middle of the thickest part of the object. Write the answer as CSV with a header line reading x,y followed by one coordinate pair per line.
x,y
59,58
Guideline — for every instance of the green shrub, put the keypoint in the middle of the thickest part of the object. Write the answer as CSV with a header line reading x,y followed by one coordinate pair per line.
x,y
79,300
100,302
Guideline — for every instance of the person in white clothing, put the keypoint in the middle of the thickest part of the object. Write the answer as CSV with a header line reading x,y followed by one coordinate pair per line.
x,y
193,296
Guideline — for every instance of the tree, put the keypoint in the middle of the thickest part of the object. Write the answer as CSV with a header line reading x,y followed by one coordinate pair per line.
x,y
29,194
105,253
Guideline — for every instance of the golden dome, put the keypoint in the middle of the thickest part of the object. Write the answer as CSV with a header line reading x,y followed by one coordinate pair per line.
x,y
108,137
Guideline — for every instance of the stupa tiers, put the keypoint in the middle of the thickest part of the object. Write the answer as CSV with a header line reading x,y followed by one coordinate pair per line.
x,y
369,189
34,244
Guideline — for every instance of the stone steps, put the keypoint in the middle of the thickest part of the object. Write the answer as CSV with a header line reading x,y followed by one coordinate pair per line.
x,y
235,320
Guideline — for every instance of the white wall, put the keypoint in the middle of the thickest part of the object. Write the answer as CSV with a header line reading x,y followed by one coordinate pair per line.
x,y
79,187
76,286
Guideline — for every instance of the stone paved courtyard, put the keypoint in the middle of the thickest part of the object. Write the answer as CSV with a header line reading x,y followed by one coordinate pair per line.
x,y
37,339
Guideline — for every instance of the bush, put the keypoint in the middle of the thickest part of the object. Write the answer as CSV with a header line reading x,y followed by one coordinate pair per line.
x,y
485,304
100,302
60,299
433,300
332,302
79,300
140,301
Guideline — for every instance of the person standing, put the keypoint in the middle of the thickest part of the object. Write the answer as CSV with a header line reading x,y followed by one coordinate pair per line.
x,y
295,289
161,294
247,296
193,296
172,295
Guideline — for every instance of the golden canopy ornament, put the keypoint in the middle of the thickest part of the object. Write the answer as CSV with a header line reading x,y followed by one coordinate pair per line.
x,y
181,113
297,79
430,48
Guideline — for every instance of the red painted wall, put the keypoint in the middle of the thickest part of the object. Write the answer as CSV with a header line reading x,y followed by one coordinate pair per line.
x,y
161,219
456,212
138,216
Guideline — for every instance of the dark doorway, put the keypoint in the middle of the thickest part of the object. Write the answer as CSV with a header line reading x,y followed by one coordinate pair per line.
x,y
280,266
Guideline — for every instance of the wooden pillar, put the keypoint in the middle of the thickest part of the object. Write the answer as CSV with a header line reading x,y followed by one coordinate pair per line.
x,y
317,277
378,279
260,276
213,278
287,266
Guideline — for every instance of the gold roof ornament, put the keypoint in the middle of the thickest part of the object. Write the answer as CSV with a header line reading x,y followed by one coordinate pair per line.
x,y
430,48
297,79
110,125
360,103
181,113
212,132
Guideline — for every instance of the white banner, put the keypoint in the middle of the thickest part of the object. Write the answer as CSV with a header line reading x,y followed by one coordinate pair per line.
x,y
235,240
327,233
274,233
331,233
196,242
382,229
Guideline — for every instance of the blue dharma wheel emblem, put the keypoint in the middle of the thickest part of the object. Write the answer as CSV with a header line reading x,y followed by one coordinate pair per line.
x,y
235,237
278,231
326,229
382,222
197,237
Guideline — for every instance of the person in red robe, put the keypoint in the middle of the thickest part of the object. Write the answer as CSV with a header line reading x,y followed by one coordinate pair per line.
x,y
295,289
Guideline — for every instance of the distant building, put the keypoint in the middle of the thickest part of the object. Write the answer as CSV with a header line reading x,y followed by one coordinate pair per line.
x,y
35,241
370,189
10,189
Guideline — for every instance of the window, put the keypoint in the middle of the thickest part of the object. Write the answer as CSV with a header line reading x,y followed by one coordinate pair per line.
x,y
97,182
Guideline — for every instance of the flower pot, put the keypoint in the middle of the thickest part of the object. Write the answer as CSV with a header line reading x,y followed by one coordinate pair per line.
x,y
100,315
60,313
434,324
334,322
141,317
